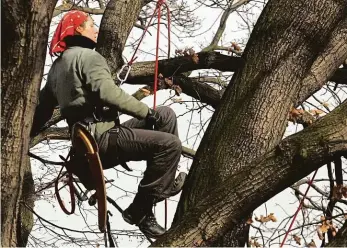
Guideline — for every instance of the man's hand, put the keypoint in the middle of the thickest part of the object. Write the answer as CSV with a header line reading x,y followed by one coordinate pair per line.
x,y
153,119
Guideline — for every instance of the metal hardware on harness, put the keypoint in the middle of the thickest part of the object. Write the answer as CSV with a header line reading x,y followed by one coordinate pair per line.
x,y
128,68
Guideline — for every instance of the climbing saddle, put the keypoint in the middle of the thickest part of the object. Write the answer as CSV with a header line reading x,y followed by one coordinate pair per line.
x,y
84,162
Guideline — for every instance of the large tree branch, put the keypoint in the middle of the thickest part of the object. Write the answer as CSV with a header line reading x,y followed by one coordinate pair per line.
x,y
143,72
218,210
324,66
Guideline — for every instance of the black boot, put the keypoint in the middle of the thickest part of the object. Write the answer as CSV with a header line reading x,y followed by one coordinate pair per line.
x,y
150,227
177,186
140,213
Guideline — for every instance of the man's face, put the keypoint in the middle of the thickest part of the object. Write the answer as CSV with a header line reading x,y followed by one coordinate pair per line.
x,y
88,29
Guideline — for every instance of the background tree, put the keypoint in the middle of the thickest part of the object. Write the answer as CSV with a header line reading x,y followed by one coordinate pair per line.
x,y
294,49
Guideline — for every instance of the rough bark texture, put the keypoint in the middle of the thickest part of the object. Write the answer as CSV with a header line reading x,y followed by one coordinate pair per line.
x,y
26,25
225,205
286,42
25,221
340,239
116,24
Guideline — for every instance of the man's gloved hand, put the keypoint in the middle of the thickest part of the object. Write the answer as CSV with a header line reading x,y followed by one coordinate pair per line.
x,y
153,119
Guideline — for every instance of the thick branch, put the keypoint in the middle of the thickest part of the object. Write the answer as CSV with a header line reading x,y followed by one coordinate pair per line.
x,y
53,133
294,158
323,68
143,72
62,133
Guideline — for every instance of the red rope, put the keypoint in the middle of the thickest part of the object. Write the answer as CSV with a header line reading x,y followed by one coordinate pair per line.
x,y
156,69
299,208
133,58
72,193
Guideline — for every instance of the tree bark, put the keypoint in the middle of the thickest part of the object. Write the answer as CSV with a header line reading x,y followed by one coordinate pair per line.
x,y
224,206
286,41
26,25
118,20
340,239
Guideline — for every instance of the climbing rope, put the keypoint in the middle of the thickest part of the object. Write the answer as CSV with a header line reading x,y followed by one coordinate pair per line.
x,y
157,11
127,67
71,189
299,208
156,70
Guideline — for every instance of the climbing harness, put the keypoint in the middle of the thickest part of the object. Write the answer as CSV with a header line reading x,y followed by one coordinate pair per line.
x,y
85,143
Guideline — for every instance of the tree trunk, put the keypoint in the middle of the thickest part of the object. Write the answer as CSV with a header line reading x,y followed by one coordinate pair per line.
x,y
25,220
25,25
117,22
228,203
287,40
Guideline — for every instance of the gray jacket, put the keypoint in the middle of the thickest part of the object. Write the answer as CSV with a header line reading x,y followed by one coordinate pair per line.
x,y
79,81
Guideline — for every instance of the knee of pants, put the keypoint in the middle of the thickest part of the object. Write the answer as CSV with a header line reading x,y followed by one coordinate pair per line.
x,y
175,146
167,114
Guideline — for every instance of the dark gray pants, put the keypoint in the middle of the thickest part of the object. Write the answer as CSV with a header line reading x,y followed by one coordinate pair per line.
x,y
161,149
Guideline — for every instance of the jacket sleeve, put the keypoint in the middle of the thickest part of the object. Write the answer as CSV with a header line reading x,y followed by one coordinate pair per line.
x,y
97,76
44,110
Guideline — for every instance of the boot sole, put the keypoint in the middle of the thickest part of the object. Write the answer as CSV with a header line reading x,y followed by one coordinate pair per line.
x,y
151,235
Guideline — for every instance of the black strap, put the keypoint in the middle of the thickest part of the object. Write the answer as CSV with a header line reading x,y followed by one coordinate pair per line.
x,y
108,234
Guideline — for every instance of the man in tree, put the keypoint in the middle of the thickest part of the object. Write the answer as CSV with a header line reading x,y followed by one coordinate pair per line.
x,y
80,82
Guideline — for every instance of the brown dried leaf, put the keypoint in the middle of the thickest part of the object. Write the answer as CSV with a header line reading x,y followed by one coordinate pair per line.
x,y
177,89
316,112
294,114
337,192
262,219
344,191
177,100
312,244
324,228
320,234
236,46
272,217
325,104
168,82
256,244
249,221
297,239
333,230
195,58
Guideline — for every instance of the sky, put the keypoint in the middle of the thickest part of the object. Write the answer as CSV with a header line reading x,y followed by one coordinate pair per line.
x,y
124,186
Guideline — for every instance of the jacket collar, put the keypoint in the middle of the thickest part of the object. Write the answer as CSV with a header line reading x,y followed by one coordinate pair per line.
x,y
79,40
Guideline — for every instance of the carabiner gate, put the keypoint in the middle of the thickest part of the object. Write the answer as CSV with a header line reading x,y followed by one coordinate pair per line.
x,y
124,67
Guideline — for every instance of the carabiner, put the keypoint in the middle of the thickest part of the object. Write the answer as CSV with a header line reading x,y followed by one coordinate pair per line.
x,y
126,66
